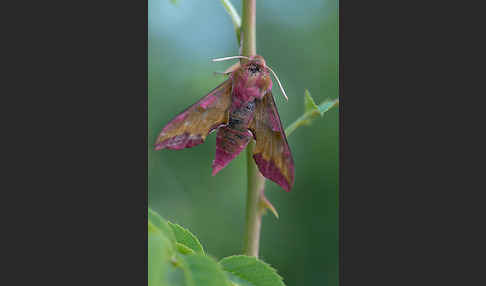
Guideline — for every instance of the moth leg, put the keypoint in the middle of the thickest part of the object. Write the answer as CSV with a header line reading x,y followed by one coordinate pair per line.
x,y
229,70
220,73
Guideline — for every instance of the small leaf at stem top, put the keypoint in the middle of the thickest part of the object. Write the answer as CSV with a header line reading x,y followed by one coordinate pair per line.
x,y
326,105
311,111
310,105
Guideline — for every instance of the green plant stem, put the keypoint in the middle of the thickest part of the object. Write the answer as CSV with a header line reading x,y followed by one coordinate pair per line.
x,y
297,123
248,28
234,17
256,182
254,211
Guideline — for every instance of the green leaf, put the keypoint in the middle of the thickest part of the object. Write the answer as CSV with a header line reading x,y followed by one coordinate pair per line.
x,y
184,249
326,105
310,105
161,249
230,9
311,111
185,237
173,1
161,224
176,276
202,270
250,271
159,253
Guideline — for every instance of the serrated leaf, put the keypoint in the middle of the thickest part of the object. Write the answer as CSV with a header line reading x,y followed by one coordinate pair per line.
x,y
250,271
159,254
202,270
162,225
186,238
310,105
326,105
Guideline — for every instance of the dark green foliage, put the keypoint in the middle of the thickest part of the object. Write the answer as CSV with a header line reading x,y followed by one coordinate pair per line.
x,y
174,263
251,271
159,253
202,270
161,225
183,236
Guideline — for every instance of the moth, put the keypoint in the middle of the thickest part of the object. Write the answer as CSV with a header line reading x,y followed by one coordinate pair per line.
x,y
241,109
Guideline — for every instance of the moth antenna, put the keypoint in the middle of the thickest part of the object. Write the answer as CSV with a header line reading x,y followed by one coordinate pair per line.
x,y
230,58
279,84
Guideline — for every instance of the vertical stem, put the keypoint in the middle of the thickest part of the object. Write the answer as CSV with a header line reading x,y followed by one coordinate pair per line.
x,y
256,182
248,27
254,211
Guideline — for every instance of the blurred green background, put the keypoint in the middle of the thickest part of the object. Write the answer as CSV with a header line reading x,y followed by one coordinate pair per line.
x,y
299,40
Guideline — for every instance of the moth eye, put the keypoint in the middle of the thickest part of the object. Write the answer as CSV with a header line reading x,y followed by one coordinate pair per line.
x,y
254,68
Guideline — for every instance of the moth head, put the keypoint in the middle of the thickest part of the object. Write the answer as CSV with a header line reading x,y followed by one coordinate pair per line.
x,y
256,65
